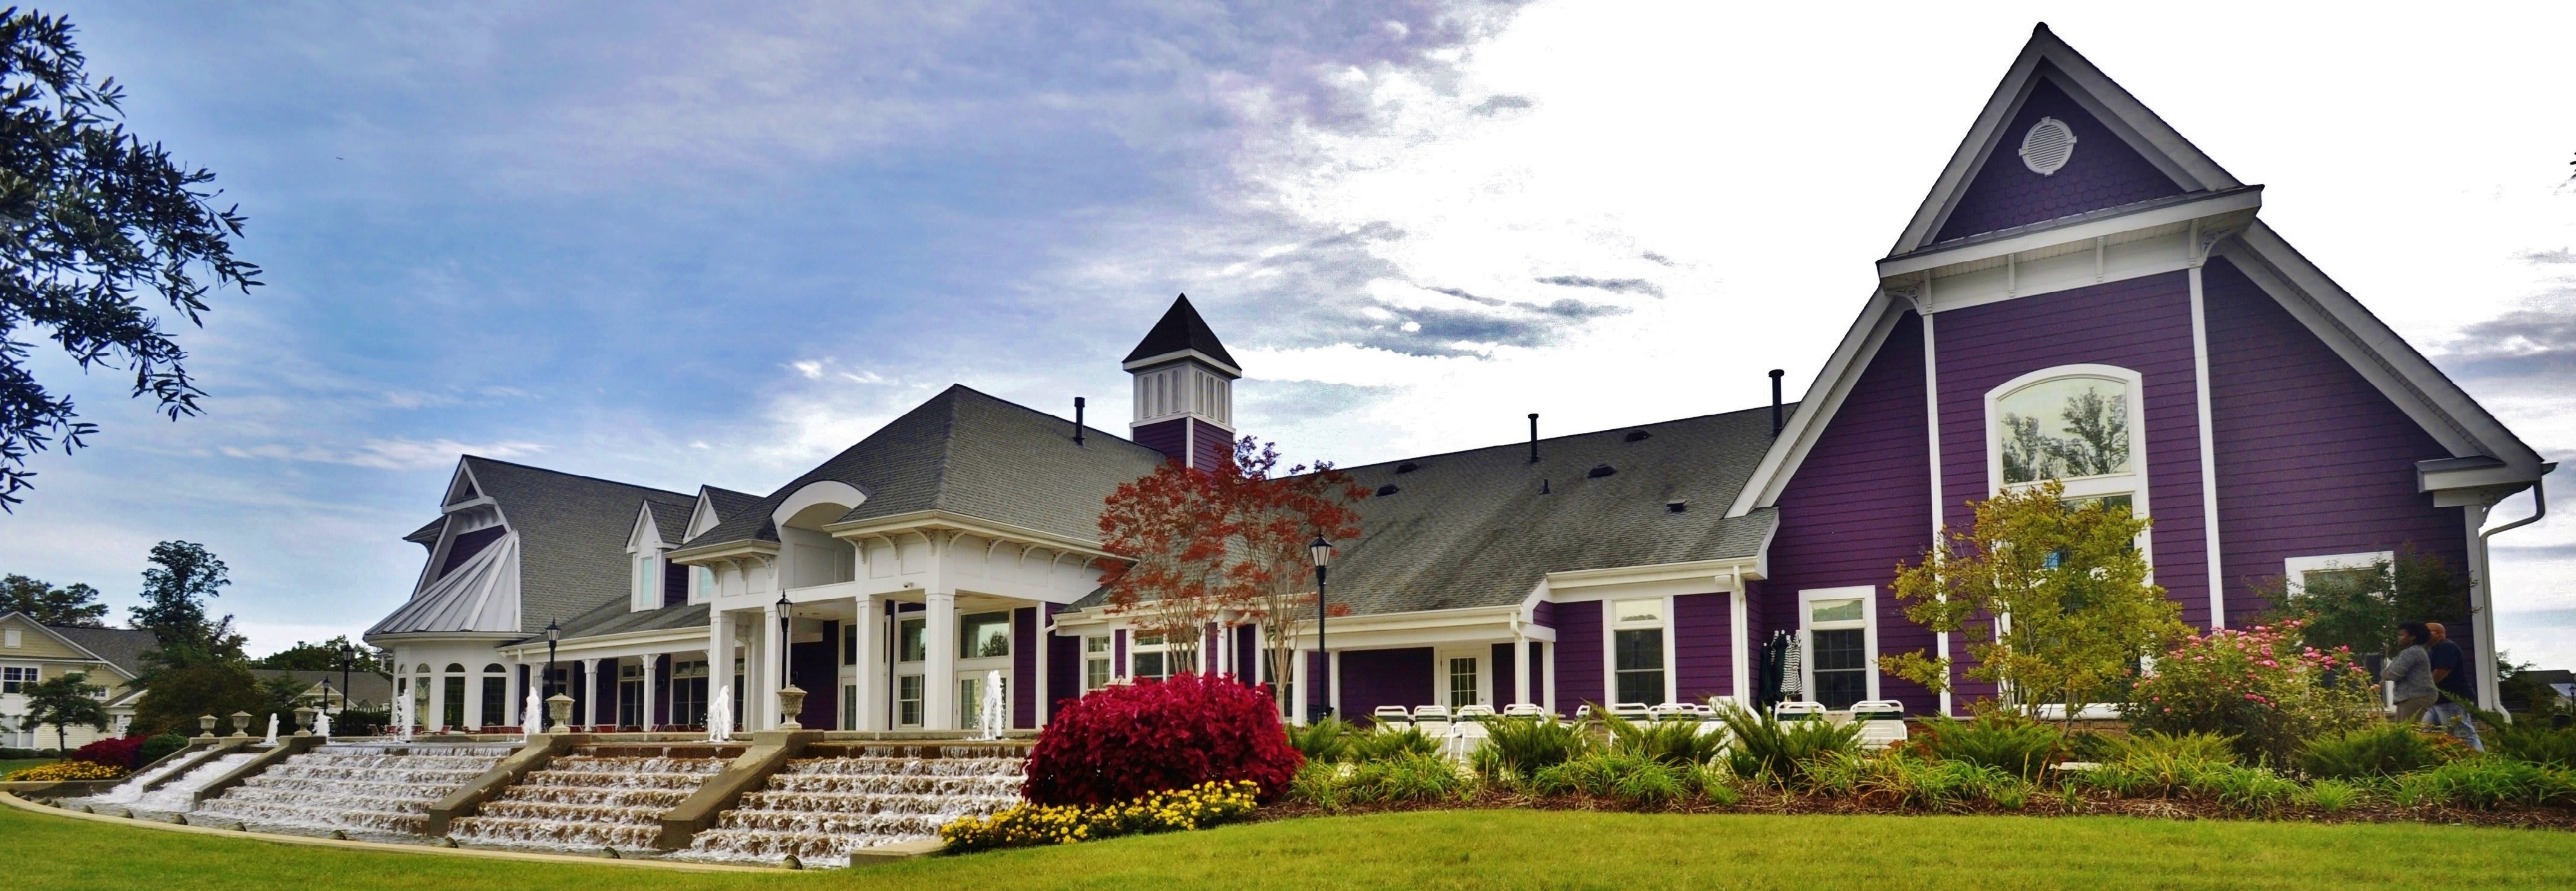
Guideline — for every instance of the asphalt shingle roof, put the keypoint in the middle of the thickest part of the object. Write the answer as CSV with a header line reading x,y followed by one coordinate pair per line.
x,y
1181,329
121,647
616,617
972,454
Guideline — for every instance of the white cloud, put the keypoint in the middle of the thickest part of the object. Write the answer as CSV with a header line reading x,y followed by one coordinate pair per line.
x,y
388,454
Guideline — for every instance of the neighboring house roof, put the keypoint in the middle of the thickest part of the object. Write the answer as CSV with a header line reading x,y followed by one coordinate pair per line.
x,y
1181,330
120,647
972,454
1483,527
364,686
564,554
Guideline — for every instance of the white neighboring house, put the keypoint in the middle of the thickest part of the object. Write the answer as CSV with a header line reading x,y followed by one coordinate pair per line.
x,y
31,653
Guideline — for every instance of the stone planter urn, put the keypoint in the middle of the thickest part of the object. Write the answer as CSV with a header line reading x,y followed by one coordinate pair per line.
x,y
559,707
241,724
304,721
791,702
206,726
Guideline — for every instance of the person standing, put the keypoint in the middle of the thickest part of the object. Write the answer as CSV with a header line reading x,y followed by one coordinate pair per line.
x,y
2457,681
2411,673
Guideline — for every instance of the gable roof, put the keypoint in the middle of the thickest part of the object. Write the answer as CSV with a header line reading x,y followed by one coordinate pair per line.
x,y
121,648
670,521
564,554
972,454
1181,331
2402,374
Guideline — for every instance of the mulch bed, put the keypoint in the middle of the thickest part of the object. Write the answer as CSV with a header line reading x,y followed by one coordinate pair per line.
x,y
2042,803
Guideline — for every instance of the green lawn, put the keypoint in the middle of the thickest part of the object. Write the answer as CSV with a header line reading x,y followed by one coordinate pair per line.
x,y
7,765
1480,849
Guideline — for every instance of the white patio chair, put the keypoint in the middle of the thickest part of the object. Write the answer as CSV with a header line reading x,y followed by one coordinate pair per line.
x,y
1392,717
1882,722
1799,711
1432,720
1633,711
1465,737
1524,710
1475,713
1672,712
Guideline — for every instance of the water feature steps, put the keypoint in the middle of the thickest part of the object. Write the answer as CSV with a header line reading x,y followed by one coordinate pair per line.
x,y
603,795
213,749
285,748
864,802
770,750
368,786
466,800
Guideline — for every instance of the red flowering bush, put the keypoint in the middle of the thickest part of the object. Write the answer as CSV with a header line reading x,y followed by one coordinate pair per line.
x,y
111,752
1127,741
2261,686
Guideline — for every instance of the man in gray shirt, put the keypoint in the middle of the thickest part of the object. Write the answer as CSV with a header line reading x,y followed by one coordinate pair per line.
x,y
2411,672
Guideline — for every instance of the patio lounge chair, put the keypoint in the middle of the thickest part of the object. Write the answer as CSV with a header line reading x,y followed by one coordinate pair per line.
x,y
1432,720
1882,722
1673,712
1634,711
1475,713
1799,711
1392,717
1524,710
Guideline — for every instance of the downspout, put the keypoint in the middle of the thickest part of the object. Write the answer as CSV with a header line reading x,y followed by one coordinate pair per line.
x,y
2483,593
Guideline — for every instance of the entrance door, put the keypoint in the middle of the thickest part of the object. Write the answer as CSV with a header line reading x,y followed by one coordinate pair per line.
x,y
972,689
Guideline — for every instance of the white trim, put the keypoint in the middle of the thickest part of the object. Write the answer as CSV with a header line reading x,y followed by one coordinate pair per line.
x,y
1868,596
1932,426
1483,654
2295,569
2210,543
1610,628
2238,201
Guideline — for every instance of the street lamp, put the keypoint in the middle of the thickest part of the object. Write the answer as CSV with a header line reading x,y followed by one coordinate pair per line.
x,y
1322,553
346,653
554,632
787,662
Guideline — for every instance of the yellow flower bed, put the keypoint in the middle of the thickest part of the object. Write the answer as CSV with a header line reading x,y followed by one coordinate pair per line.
x,y
66,770
1206,804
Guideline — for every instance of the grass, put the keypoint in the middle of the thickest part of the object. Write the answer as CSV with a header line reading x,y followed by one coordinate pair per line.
x,y
1437,849
10,764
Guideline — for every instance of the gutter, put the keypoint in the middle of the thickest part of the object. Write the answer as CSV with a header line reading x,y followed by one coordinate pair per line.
x,y
2485,610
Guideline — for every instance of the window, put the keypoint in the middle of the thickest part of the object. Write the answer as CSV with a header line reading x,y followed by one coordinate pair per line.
x,y
9,638
907,700
1095,662
647,593
689,693
850,643
911,640
983,635
496,695
702,584
15,678
1462,683
1148,665
630,695
1637,651
2077,424
2345,572
1842,645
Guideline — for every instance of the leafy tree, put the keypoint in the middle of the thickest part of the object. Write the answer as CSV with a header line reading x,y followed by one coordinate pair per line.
x,y
323,657
95,215
183,576
64,701
2052,599
74,604
2360,607
1271,521
174,696
1169,527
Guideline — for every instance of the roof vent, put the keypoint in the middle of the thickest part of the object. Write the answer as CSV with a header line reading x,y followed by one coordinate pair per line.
x,y
2048,145
1386,490
1407,467
1676,506
1600,470
1637,435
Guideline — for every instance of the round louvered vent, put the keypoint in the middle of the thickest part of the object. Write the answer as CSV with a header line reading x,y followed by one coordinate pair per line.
x,y
2047,146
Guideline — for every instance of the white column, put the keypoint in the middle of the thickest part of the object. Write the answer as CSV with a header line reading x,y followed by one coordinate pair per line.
x,y
437,701
1548,651
1335,670
940,674
590,692
1036,688
473,697
2208,451
1303,674
719,661
1740,643
1520,668
644,716
511,688
771,678
869,681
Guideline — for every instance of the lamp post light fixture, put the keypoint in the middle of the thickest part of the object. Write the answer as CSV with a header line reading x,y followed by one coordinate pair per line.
x,y
791,698
554,634
1322,707
347,653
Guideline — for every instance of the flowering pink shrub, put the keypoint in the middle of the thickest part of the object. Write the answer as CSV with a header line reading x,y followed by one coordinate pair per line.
x,y
2260,685
1131,740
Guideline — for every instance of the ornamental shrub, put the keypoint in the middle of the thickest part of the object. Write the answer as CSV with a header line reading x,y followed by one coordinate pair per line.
x,y
157,748
2386,750
1515,748
2002,740
1127,741
1383,744
1768,749
2259,685
66,770
112,751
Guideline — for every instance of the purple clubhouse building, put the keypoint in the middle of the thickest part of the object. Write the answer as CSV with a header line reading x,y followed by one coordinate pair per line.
x,y
2083,296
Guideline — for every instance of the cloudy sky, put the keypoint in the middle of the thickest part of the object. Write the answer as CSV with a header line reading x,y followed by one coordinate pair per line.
x,y
674,247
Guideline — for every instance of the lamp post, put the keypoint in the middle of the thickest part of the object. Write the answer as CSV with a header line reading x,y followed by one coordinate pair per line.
x,y
554,634
791,698
1322,553
346,653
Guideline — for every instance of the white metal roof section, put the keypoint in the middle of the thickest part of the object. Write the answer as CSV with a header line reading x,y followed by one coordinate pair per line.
x,y
481,596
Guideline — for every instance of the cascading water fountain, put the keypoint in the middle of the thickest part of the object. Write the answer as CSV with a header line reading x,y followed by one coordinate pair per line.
x,y
126,792
363,787
843,797
602,796
177,796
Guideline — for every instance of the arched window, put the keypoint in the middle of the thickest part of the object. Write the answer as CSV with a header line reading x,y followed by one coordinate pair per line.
x,y
2077,424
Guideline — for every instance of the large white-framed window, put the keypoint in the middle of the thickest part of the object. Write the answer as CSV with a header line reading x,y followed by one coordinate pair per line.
x,y
17,678
1149,658
2360,569
2077,424
689,692
984,635
1640,649
1838,634
1096,655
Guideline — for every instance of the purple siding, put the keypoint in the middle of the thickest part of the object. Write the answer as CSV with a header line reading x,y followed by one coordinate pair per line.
x,y
1064,671
1172,438
815,668
467,545
675,584
1860,504
1702,640
2103,172
1371,678
1209,645
1537,663
2142,324
2313,459
1578,656
1118,664
1210,445
1024,667
1247,655
1501,672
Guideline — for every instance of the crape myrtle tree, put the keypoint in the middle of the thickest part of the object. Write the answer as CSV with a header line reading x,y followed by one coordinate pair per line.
x,y
64,701
74,604
1228,545
97,219
2051,597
